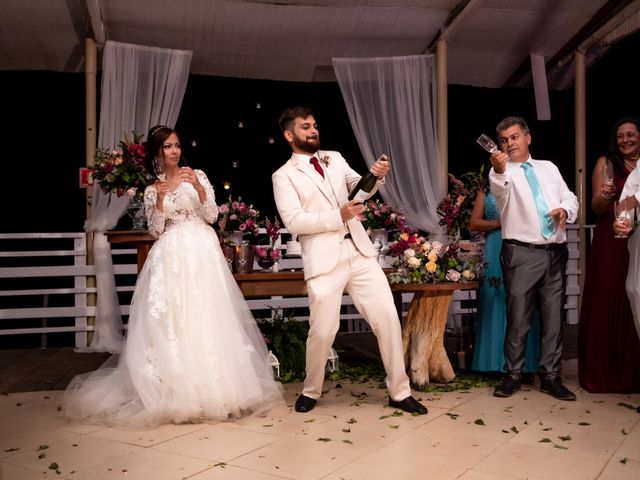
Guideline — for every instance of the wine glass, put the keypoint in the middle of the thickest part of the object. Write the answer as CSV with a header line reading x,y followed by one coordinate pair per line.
x,y
487,143
158,168
623,216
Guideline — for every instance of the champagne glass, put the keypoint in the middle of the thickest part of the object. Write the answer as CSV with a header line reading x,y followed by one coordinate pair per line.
x,y
623,216
487,143
158,168
607,172
607,180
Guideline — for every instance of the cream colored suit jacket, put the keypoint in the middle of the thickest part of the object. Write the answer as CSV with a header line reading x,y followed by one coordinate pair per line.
x,y
310,207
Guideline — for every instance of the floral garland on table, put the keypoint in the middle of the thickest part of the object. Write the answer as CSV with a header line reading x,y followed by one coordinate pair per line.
x,y
421,261
379,214
238,216
455,209
122,170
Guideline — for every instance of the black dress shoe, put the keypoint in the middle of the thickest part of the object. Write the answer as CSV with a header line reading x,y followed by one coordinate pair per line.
x,y
508,386
554,387
304,404
409,405
527,378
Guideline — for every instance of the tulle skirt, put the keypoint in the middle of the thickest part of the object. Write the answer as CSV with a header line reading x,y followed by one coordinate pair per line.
x,y
193,350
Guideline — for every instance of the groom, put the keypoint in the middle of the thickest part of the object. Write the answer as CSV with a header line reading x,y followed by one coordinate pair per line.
x,y
311,192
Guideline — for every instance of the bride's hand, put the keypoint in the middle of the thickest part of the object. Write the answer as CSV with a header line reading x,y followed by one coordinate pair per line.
x,y
189,176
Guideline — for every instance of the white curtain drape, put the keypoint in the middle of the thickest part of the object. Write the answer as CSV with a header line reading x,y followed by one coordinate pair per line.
x,y
391,103
141,87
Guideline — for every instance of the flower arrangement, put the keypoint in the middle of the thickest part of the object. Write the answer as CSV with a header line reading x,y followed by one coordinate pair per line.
x,y
268,252
273,229
238,216
379,214
422,261
455,209
122,170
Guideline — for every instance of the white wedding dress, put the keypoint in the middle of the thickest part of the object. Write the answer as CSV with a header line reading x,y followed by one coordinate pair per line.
x,y
193,350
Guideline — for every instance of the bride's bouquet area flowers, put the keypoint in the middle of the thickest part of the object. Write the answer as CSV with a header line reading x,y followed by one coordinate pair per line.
x,y
122,170
455,209
236,215
379,215
419,260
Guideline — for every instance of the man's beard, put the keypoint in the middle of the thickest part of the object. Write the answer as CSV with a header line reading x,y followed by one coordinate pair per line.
x,y
309,146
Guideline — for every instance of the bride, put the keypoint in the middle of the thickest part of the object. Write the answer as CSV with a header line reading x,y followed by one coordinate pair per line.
x,y
193,350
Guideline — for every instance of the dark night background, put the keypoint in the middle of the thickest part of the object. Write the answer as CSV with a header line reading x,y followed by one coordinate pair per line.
x,y
42,133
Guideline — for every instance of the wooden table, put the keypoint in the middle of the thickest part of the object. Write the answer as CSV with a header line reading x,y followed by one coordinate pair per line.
x,y
140,238
423,331
253,285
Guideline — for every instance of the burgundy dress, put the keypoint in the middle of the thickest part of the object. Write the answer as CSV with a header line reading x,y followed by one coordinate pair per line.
x,y
608,344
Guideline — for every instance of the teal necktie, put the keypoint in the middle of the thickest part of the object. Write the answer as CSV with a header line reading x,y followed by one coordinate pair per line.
x,y
546,223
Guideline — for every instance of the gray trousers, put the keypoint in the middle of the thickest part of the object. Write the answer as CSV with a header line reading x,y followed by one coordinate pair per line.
x,y
534,277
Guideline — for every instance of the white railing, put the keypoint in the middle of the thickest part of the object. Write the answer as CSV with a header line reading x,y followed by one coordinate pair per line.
x,y
46,287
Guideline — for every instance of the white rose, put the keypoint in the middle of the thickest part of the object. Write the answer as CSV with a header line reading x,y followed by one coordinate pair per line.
x,y
414,262
468,275
437,247
453,275
409,252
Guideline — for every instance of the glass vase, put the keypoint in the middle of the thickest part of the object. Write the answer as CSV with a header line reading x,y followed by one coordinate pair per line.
x,y
135,210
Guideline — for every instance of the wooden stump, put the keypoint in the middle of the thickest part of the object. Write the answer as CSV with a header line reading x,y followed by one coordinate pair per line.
x,y
423,338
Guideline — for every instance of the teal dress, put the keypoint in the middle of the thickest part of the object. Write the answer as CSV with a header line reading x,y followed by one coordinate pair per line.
x,y
488,351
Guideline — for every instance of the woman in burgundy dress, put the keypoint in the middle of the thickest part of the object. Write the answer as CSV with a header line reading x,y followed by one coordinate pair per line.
x,y
608,345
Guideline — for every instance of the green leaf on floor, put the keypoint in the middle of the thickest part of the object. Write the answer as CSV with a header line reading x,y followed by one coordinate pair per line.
x,y
452,416
624,432
12,450
626,405
545,440
54,466
623,460
347,441
42,447
42,455
514,429
352,420
394,426
561,447
346,430
479,421
584,424
324,439
564,438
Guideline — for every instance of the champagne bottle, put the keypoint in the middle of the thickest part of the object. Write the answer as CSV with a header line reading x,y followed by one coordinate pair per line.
x,y
364,186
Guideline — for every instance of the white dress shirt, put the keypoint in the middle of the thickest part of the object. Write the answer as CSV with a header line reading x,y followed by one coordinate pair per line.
x,y
306,160
632,187
518,213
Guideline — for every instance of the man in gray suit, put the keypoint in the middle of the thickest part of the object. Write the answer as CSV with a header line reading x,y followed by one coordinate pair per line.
x,y
535,204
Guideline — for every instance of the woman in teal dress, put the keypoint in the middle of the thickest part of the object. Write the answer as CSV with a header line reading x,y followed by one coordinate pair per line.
x,y
488,351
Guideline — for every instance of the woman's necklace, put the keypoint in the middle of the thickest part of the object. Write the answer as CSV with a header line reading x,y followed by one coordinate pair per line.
x,y
630,164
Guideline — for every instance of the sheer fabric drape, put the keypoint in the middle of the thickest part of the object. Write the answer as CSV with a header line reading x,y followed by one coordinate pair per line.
x,y
141,87
391,104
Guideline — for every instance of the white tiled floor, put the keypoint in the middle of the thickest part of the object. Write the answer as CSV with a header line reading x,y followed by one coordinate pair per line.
x,y
348,436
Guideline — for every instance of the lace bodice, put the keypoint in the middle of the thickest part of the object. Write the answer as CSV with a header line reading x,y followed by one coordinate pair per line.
x,y
180,205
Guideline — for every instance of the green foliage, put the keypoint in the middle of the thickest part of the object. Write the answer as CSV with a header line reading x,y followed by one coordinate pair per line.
x,y
286,338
